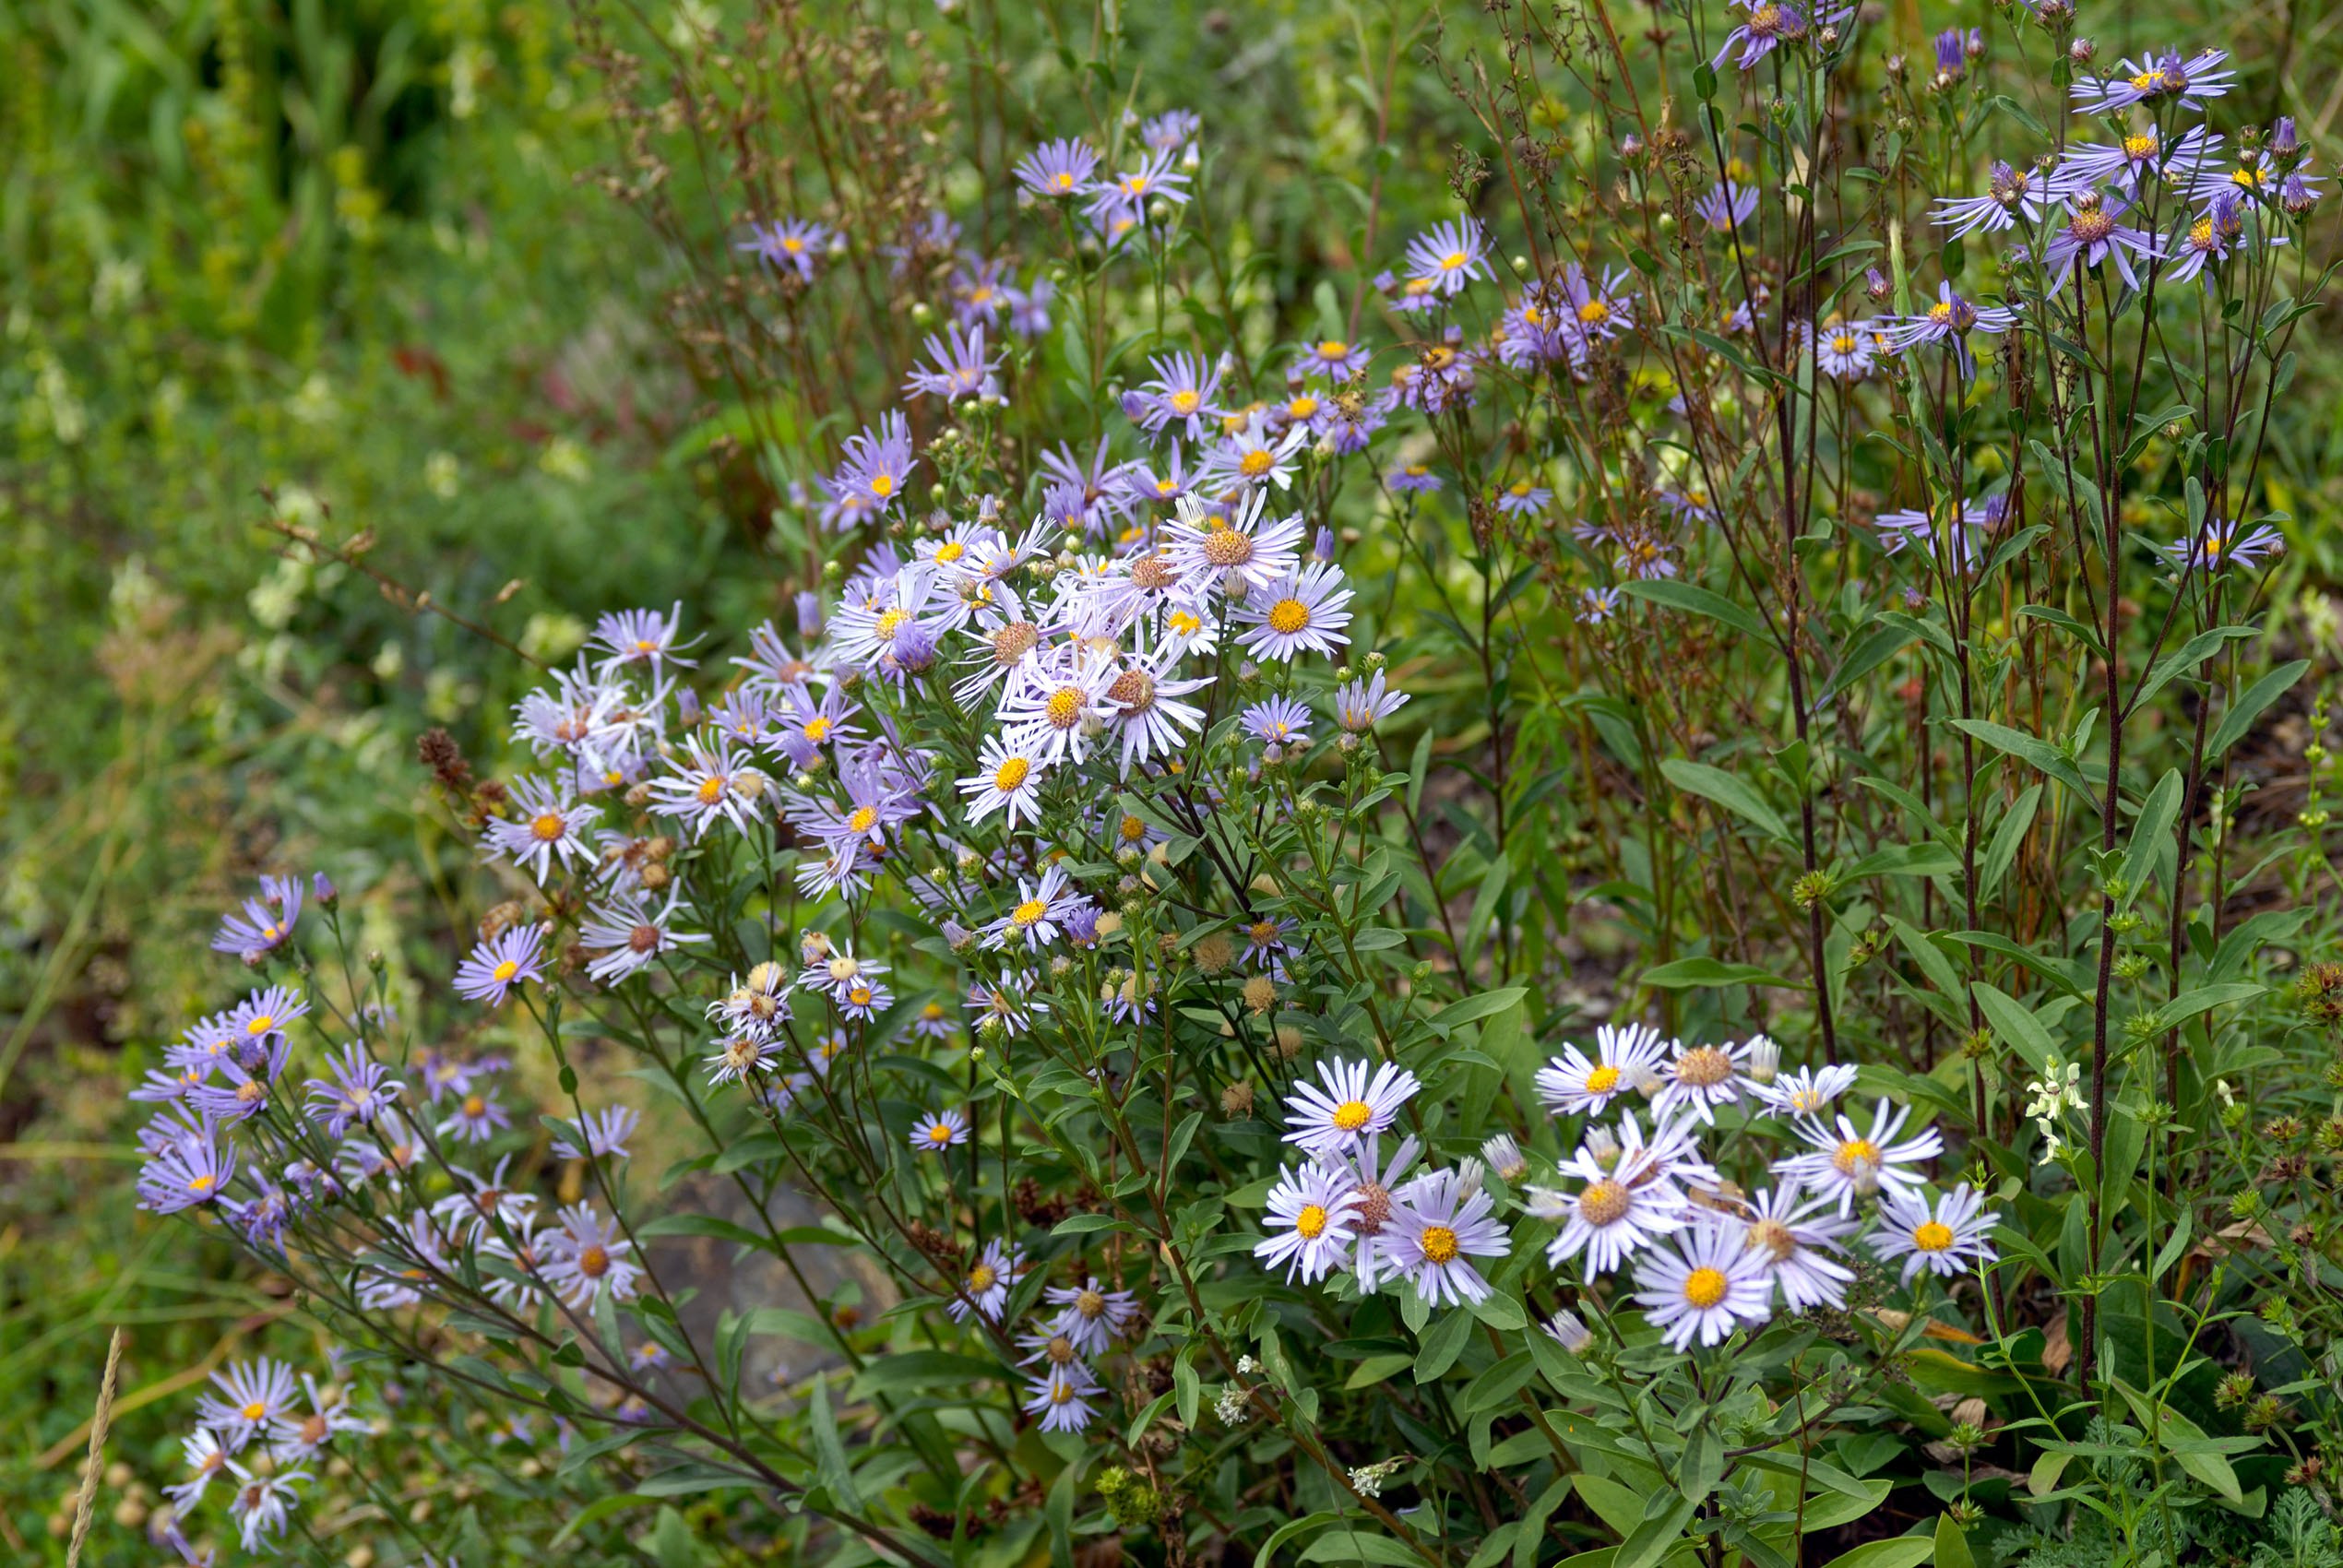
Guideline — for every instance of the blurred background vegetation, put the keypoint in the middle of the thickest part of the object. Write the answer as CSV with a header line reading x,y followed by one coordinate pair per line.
x,y
350,254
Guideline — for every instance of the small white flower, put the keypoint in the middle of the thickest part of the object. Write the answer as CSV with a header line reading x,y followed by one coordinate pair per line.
x,y
1706,1286
1847,1165
1351,1108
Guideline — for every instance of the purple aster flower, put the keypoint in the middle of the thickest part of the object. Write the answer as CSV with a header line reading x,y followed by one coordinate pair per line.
x,y
1727,206
787,245
360,1089
1524,498
1124,197
1305,612
1766,25
1277,721
1030,307
2142,159
260,1016
1950,320
1446,256
477,1117
1598,605
253,1398
1413,477
2094,231
2226,542
975,286
1172,130
959,368
2011,196
501,963
187,1165
1955,49
2192,82
2206,241
265,924
1058,169
588,1257
1360,706
1594,314
606,1135
1843,350
547,825
870,479
1181,393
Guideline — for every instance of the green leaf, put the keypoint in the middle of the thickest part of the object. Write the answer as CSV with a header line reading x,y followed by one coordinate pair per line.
x,y
1735,795
1472,1009
2031,750
1952,1547
1687,973
2187,657
2249,707
919,1369
1897,1551
2009,837
1346,1543
2017,1026
837,1476
1442,1343
1663,1526
1698,602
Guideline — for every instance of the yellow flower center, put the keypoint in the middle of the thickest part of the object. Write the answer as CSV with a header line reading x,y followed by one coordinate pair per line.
x,y
1334,349
1185,400
1064,707
1439,1243
711,789
1772,1237
2140,146
1352,1114
939,1132
1311,1223
1131,829
1933,1237
1704,1288
1605,1203
817,728
980,1278
261,1025
475,1105
593,1262
1029,913
256,1411
882,486
1256,463
1301,407
1856,1153
863,819
1594,311
1288,616
890,621
1704,1067
1602,1080
505,970
202,1183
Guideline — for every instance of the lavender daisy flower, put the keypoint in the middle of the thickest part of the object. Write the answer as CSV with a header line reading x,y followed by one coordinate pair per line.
x,y
476,1119
499,964
253,1398
711,782
261,1016
1124,197
1595,314
2094,231
1253,457
1448,256
1524,498
2191,82
300,1437
960,368
1040,908
190,1168
788,245
606,1132
1727,206
548,824
1767,25
1181,393
2011,196
1172,130
876,464
628,934
1843,350
975,287
1414,477
1598,605
1062,1399
984,1290
587,1258
940,1129
1277,721
1950,320
1360,706
2220,544
1439,1222
360,1089
1029,306
2140,160
265,924
1058,169
1305,612
643,636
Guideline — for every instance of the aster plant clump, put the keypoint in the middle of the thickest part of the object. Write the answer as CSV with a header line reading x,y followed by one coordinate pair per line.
x,y
1592,902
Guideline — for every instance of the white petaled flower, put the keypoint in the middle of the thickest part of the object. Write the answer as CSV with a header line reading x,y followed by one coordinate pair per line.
x,y
547,826
943,1130
1439,1223
1033,920
1303,612
1702,1077
1054,709
1945,1237
1569,1330
1236,553
741,1058
985,1288
1313,1215
1149,713
1376,1183
1574,1084
713,783
1808,1091
1350,1108
1790,1232
1062,1399
1847,1165
628,934
1007,779
1630,1198
1703,1288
